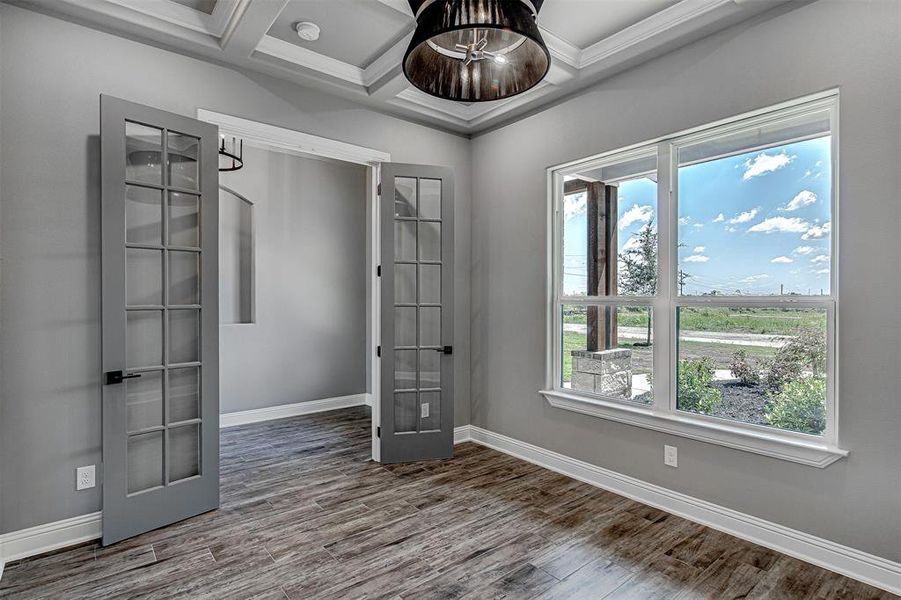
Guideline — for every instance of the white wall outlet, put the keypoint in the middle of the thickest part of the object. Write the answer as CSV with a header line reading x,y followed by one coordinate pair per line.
x,y
84,477
424,410
671,456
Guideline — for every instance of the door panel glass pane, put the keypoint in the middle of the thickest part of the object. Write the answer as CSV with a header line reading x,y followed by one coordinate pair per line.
x,y
143,338
430,198
429,411
430,284
429,240
184,394
405,326
404,197
184,452
405,284
184,171
184,277
143,153
143,215
405,240
429,369
143,277
144,400
608,351
145,461
184,336
184,220
754,364
405,412
430,326
405,369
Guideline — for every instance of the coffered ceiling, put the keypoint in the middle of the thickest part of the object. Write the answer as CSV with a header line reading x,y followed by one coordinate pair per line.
x,y
362,43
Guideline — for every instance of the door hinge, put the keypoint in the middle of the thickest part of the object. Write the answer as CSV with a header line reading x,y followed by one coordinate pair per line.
x,y
378,431
378,351
378,271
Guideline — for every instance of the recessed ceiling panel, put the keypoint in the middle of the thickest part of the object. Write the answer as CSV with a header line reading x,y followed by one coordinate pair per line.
x,y
585,22
355,32
204,6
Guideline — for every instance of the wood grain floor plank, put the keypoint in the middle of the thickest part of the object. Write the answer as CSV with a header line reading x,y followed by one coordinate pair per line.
x,y
305,514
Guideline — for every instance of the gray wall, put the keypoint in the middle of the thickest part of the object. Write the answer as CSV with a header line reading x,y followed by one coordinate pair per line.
x,y
308,341
852,44
53,73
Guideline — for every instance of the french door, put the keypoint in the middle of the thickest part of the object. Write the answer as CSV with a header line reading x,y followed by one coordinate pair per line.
x,y
417,287
160,318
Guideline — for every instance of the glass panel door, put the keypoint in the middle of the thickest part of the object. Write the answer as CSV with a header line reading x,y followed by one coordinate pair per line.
x,y
417,266
160,417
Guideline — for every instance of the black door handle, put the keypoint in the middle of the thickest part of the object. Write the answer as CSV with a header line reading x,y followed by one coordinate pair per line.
x,y
445,350
118,377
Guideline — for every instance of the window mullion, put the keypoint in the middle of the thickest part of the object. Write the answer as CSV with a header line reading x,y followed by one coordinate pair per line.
x,y
663,310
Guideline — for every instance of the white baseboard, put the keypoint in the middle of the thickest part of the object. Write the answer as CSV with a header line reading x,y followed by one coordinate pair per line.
x,y
48,537
283,411
868,568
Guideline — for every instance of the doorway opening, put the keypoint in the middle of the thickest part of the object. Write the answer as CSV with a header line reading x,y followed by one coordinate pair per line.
x,y
298,275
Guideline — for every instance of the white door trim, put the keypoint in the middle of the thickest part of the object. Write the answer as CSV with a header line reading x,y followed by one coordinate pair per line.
x,y
298,142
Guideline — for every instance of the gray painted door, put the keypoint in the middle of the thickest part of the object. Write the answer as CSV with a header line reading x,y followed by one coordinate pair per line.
x,y
159,216
417,290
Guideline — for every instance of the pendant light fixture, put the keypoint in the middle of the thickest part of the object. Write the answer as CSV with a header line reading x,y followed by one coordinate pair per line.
x,y
231,154
476,50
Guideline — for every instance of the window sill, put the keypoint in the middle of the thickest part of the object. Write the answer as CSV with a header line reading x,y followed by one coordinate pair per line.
x,y
774,445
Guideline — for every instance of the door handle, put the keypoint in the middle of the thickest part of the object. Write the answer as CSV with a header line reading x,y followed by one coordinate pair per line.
x,y
118,377
445,350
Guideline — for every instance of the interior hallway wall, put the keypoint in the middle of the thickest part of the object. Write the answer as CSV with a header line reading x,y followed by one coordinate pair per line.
x,y
53,74
308,339
854,45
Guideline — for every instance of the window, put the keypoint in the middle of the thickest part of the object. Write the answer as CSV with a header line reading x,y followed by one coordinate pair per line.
x,y
693,283
236,258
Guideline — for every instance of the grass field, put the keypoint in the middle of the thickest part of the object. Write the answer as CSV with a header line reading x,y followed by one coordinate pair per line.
x,y
767,321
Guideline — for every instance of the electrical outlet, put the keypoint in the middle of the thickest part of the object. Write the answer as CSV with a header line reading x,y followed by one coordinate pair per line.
x,y
671,456
84,477
424,410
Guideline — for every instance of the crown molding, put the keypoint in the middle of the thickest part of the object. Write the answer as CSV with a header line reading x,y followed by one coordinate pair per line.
x,y
213,24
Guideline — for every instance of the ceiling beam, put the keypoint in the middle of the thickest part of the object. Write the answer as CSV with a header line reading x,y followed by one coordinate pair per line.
x,y
249,26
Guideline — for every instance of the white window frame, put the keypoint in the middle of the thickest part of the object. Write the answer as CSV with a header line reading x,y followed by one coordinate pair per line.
x,y
817,451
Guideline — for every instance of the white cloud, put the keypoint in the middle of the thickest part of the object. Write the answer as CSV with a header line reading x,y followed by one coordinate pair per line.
x,y
631,244
804,249
753,278
821,258
574,205
765,163
699,249
696,258
636,214
731,229
782,260
817,231
684,220
801,199
698,225
781,224
745,216
822,272
719,218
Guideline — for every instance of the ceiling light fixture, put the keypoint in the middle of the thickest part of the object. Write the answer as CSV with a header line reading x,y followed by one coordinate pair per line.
x,y
307,31
476,50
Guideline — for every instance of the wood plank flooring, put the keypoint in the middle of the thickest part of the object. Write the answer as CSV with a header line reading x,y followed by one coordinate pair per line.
x,y
305,514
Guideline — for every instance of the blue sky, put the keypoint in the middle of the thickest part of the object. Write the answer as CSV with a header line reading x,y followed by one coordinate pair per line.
x,y
748,222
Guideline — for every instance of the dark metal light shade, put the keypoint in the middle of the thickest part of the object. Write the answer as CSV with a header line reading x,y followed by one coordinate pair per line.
x,y
476,50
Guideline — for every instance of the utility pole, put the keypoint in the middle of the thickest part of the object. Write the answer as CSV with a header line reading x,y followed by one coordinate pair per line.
x,y
682,277
781,289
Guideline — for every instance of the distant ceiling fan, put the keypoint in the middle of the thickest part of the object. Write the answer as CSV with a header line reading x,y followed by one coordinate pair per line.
x,y
476,50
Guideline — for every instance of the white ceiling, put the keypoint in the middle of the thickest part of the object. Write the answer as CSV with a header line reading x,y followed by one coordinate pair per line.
x,y
362,43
